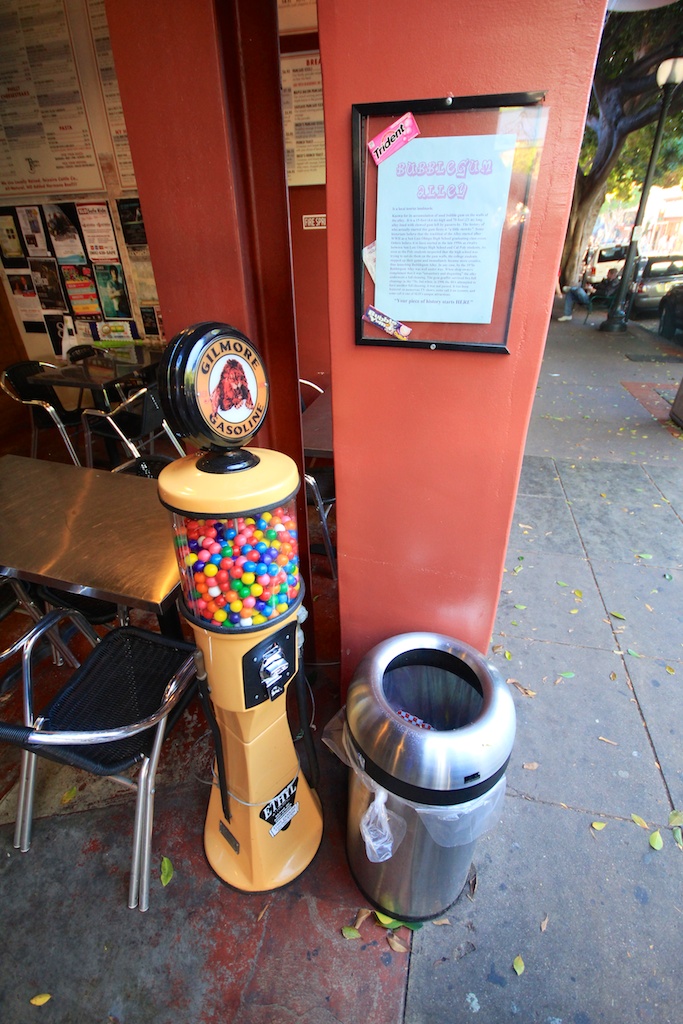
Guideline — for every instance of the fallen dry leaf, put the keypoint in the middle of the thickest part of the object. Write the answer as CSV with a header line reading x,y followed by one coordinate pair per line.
x,y
441,921
361,916
263,910
522,689
544,923
530,766
396,944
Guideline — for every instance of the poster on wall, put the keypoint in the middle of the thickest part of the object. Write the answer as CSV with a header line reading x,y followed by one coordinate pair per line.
x,y
437,258
25,296
48,285
10,239
62,226
111,96
82,291
442,191
150,321
302,113
132,224
32,229
98,232
112,290
46,143
297,16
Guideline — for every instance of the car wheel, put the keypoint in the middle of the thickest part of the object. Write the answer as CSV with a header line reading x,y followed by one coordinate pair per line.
x,y
667,322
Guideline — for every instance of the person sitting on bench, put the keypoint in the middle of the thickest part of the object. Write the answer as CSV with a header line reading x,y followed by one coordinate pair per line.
x,y
604,289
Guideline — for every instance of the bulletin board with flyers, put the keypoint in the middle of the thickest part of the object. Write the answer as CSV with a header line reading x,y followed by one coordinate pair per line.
x,y
73,248
443,189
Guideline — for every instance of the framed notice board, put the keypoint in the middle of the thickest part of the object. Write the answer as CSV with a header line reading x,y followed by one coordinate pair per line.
x,y
442,191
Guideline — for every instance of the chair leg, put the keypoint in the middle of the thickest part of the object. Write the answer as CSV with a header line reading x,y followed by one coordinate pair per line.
x,y
173,439
138,835
327,541
27,781
60,651
311,483
70,448
138,893
88,443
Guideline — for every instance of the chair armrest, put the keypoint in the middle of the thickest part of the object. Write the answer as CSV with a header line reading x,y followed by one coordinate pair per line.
x,y
108,413
173,693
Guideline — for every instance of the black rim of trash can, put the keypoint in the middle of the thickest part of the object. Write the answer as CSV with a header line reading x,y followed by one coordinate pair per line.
x,y
420,795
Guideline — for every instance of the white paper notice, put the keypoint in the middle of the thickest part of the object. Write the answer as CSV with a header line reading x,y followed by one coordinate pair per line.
x,y
441,206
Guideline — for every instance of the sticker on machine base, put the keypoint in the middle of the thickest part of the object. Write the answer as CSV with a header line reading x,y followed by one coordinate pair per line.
x,y
279,811
231,388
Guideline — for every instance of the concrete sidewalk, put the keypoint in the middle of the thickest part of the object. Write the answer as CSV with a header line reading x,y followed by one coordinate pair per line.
x,y
589,634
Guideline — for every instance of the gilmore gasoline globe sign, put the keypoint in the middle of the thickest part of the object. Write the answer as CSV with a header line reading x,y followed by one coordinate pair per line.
x,y
213,386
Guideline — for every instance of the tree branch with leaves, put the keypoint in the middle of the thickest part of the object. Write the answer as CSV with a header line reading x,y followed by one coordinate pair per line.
x,y
625,99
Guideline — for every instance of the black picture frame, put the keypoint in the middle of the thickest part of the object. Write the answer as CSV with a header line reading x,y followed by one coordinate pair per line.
x,y
523,115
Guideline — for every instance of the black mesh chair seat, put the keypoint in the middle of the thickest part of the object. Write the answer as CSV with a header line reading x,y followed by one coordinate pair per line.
x,y
123,681
111,715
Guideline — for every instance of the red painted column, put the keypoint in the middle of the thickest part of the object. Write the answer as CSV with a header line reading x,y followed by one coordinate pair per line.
x,y
428,445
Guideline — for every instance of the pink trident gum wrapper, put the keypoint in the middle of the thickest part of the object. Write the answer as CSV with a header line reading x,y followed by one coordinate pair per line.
x,y
393,138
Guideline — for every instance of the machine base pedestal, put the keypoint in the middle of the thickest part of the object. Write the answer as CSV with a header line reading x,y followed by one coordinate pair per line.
x,y
253,854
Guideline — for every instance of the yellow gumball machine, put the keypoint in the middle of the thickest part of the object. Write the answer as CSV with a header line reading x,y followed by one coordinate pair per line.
x,y
235,526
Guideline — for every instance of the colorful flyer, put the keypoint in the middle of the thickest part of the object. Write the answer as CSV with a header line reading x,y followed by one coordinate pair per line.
x,y
81,290
112,289
48,285
62,221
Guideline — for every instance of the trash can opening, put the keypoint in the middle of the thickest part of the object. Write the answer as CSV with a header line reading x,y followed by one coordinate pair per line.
x,y
433,690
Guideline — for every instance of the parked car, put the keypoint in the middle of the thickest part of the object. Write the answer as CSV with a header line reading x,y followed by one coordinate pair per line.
x,y
597,262
671,312
654,277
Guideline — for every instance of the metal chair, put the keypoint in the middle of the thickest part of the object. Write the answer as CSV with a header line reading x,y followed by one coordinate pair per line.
x,y
46,409
111,715
135,424
320,494
78,352
314,387
17,597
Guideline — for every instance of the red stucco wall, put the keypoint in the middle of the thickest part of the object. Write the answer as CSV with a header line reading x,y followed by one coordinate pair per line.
x,y
428,445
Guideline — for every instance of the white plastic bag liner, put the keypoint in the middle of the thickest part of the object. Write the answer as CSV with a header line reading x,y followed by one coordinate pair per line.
x,y
383,828
460,824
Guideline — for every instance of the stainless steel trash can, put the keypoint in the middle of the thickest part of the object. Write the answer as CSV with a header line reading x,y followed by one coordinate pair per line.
x,y
429,730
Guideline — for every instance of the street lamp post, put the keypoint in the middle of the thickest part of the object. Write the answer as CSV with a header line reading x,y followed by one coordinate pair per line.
x,y
669,74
